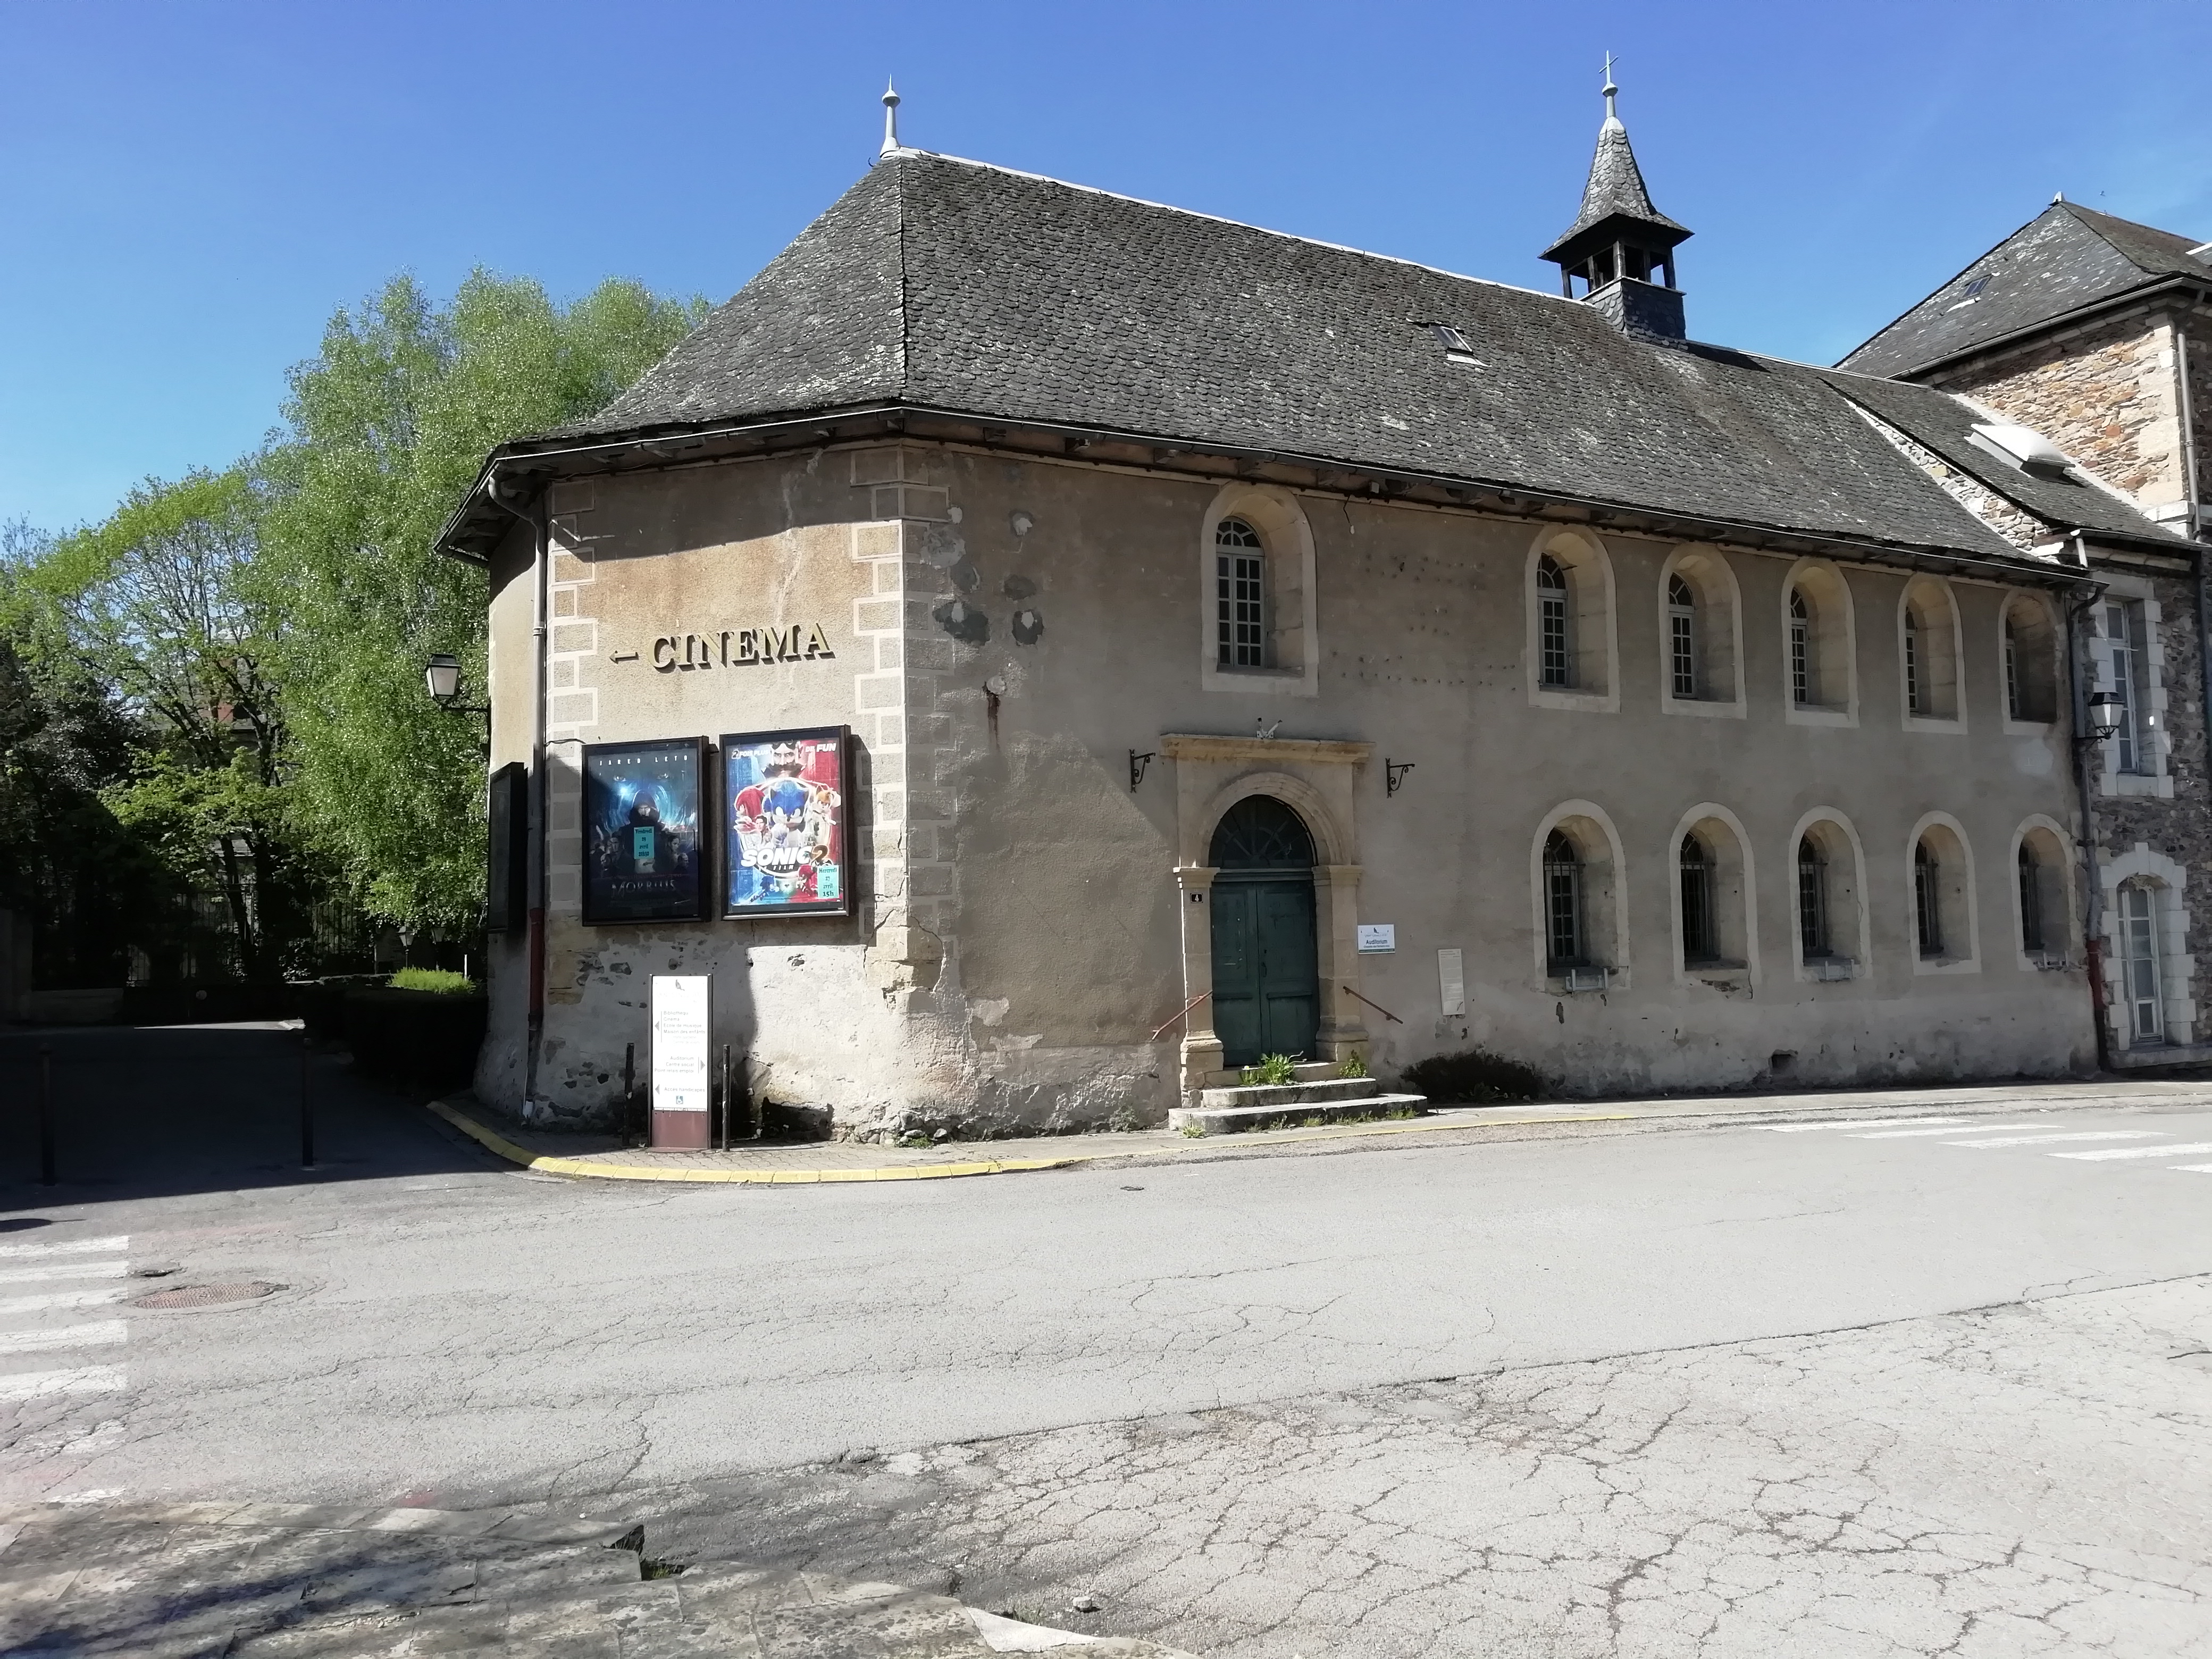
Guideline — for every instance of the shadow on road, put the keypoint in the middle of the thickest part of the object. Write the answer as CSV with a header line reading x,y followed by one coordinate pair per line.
x,y
153,1111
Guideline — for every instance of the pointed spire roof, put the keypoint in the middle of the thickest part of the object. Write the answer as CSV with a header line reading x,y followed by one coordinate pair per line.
x,y
1614,200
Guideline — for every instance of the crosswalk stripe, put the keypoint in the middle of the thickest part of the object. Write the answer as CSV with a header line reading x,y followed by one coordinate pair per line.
x,y
1902,1134
64,1270
85,1379
2039,1141
73,1247
23,1304
2142,1151
1856,1123
68,1336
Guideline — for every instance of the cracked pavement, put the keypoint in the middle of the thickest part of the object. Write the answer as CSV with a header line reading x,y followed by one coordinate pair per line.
x,y
1637,1389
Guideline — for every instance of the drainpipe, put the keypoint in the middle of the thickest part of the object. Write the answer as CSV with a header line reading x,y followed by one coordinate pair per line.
x,y
540,795
2093,926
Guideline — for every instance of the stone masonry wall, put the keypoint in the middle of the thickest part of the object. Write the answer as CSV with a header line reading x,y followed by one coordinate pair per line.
x,y
2104,392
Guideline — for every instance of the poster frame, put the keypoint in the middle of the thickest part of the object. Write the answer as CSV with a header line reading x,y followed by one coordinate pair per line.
x,y
842,905
697,909
507,871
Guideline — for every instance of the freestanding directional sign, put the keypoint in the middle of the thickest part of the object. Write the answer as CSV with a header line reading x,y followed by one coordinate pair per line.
x,y
683,1031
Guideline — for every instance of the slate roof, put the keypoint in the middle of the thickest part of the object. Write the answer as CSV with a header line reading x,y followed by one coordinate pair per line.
x,y
2066,258
1615,191
948,285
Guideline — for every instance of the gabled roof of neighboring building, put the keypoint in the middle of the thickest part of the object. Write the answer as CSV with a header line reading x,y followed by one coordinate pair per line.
x,y
941,285
2064,260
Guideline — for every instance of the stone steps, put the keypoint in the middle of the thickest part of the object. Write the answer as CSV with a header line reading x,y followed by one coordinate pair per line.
x,y
1203,1120
1307,1091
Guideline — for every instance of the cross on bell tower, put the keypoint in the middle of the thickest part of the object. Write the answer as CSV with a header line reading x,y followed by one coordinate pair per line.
x,y
1620,248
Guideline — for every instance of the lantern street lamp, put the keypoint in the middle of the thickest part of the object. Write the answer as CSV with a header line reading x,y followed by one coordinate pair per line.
x,y
442,674
2105,713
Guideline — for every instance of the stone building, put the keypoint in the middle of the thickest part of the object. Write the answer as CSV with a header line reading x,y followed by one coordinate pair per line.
x,y
2098,333
1254,645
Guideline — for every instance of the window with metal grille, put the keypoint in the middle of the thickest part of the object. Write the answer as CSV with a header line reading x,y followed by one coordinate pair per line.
x,y
1700,942
2139,962
2125,628
2031,900
2012,704
1915,693
1682,636
1801,650
1555,659
1927,900
1563,904
1812,899
1241,595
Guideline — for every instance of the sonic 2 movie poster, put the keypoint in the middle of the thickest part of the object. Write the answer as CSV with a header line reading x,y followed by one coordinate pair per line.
x,y
783,797
642,856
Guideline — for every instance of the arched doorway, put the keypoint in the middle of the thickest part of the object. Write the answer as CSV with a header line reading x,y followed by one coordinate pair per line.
x,y
1267,982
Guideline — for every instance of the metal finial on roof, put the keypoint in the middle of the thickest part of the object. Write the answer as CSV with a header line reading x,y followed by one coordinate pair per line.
x,y
891,119
1611,92
2057,197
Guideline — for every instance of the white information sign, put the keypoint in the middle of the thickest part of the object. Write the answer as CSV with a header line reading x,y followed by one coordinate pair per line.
x,y
682,1026
1377,937
1451,981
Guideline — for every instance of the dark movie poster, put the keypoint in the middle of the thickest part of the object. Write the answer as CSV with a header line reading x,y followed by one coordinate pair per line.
x,y
506,901
784,798
642,853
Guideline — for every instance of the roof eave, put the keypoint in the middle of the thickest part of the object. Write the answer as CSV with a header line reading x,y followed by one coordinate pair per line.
x,y
2149,290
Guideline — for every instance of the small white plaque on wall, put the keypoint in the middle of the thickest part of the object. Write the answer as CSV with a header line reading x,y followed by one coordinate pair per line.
x,y
1377,937
1451,981
682,1028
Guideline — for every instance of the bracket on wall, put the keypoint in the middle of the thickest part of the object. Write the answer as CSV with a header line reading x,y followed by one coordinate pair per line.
x,y
1136,764
1394,774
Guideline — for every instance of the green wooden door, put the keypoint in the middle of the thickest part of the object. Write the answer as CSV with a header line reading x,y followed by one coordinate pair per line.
x,y
1267,986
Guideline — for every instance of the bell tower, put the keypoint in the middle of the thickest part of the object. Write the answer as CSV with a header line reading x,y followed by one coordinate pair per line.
x,y
1620,248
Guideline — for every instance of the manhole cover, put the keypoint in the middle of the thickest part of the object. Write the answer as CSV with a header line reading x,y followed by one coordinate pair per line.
x,y
208,1296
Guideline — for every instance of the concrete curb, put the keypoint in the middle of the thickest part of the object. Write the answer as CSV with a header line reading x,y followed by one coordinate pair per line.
x,y
539,1162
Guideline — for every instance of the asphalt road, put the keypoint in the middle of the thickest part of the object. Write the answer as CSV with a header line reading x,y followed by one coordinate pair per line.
x,y
455,1334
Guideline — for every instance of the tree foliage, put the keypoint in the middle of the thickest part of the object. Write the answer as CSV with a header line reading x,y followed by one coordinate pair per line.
x,y
388,427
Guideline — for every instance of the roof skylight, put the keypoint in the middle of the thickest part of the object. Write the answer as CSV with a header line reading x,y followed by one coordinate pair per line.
x,y
1455,344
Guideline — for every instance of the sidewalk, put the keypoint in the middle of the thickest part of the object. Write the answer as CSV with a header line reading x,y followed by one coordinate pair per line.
x,y
819,1161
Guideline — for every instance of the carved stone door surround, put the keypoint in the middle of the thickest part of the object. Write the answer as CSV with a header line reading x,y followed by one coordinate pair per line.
x,y
1316,778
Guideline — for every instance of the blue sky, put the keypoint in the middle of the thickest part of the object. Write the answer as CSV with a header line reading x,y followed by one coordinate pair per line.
x,y
189,189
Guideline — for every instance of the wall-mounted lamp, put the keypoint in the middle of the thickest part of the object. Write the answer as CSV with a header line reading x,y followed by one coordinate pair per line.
x,y
2105,713
441,676
1394,774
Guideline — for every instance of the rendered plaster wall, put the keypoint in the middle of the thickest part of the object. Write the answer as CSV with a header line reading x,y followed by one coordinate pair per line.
x,y
1008,630
1078,593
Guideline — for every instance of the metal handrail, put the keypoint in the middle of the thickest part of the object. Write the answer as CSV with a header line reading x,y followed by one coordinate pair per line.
x,y
1181,1011
1376,1007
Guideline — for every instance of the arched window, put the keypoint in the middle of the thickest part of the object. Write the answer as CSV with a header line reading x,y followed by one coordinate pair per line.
x,y
1554,641
1927,900
1241,602
1566,944
2032,667
1813,931
1683,636
1929,650
2031,900
2139,962
1699,941
1261,833
1801,650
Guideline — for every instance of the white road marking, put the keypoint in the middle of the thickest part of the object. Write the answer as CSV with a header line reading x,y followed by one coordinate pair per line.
x,y
88,1379
2143,1152
1856,1123
68,1336
1900,1134
74,1247
2038,1140
64,1270
2195,1168
22,1304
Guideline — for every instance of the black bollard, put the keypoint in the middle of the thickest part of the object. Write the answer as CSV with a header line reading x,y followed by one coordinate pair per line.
x,y
307,1108
45,1114
722,1126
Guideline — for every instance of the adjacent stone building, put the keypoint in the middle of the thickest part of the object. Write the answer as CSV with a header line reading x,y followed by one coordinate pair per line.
x,y
1252,645
2098,333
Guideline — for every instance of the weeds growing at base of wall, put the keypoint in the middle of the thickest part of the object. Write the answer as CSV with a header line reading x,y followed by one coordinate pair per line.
x,y
432,979
1475,1077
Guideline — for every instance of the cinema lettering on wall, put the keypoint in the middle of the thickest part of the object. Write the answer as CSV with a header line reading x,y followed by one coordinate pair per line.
x,y
643,856
737,648
783,799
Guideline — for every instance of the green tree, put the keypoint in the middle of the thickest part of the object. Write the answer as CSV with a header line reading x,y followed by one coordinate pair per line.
x,y
388,427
